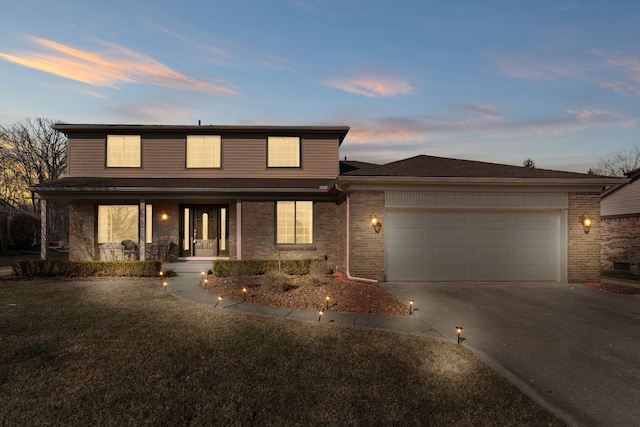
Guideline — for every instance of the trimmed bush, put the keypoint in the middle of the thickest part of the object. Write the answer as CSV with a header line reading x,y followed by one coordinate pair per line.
x,y
255,267
62,268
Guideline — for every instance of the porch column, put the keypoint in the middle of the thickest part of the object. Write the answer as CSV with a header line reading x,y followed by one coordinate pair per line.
x,y
142,211
239,229
44,230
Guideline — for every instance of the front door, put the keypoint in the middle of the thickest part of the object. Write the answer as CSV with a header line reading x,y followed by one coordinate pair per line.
x,y
204,231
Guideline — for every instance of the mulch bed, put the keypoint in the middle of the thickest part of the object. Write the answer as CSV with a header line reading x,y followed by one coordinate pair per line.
x,y
618,289
346,296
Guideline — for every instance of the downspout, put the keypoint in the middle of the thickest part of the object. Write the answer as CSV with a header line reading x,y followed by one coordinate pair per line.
x,y
349,276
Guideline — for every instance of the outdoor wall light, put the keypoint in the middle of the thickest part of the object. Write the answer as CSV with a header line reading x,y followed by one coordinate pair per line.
x,y
375,222
411,306
586,223
164,216
459,331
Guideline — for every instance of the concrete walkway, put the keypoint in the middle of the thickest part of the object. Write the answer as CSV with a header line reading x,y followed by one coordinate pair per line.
x,y
184,282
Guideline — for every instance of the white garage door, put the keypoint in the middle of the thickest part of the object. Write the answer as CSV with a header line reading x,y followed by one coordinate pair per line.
x,y
472,246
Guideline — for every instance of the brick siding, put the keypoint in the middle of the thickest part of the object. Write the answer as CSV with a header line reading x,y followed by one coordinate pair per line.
x,y
366,247
583,249
620,243
258,233
82,231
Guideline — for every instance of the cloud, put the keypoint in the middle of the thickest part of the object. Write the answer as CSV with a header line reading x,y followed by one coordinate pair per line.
x,y
524,67
370,86
113,66
629,83
478,121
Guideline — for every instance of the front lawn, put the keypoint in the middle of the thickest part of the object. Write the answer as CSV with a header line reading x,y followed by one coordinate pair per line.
x,y
123,352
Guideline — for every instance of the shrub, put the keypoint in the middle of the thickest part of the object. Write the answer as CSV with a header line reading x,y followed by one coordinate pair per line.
x,y
254,267
277,282
61,268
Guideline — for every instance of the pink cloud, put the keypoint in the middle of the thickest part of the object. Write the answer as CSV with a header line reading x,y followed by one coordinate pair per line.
x,y
371,86
109,68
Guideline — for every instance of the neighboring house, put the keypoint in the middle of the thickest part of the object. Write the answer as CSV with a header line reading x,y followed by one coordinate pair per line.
x,y
7,210
620,216
241,192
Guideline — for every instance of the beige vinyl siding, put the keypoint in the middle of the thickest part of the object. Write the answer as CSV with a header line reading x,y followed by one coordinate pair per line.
x,y
164,156
625,201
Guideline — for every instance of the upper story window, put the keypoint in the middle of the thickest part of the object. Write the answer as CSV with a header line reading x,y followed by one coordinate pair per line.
x,y
123,151
283,151
203,151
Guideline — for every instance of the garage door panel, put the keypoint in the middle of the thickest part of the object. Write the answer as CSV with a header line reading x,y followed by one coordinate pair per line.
x,y
472,246
499,255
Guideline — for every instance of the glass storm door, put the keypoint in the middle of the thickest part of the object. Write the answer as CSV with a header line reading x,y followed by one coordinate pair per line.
x,y
204,231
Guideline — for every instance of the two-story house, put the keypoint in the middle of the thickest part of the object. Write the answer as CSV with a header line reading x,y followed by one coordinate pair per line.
x,y
241,192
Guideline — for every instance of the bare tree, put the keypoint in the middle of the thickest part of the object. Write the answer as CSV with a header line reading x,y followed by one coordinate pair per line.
x,y
529,163
618,164
31,153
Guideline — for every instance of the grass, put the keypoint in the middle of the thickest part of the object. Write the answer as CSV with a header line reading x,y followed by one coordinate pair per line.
x,y
124,352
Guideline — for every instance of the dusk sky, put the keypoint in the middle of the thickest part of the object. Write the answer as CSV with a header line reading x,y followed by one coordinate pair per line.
x,y
497,81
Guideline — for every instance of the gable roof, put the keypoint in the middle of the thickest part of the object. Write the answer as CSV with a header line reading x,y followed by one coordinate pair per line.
x,y
354,165
431,166
631,176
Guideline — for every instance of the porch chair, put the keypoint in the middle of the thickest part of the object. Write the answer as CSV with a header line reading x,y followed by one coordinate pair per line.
x,y
129,249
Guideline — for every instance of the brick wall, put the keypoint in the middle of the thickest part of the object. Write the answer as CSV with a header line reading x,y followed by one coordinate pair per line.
x,y
258,233
620,243
583,249
341,237
82,231
169,228
366,247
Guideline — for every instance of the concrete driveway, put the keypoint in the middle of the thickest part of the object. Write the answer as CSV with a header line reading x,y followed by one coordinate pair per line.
x,y
575,350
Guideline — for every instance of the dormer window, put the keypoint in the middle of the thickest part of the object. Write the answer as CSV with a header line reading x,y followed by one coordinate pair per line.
x,y
283,152
123,151
203,151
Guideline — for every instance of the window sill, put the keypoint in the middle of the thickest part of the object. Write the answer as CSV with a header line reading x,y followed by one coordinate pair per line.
x,y
284,248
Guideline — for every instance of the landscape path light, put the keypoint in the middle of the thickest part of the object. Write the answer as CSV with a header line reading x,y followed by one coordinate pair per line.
x,y
327,299
219,299
320,313
164,285
244,294
459,331
411,302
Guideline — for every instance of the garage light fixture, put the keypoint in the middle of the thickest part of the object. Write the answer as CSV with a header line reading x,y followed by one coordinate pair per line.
x,y
586,223
375,222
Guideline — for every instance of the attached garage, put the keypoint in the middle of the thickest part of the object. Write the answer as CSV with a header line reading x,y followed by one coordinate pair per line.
x,y
475,237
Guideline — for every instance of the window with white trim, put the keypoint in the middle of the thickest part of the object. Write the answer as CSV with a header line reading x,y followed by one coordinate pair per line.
x,y
283,151
294,221
123,151
203,151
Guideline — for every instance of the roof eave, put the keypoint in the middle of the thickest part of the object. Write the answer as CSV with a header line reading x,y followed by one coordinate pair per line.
x,y
350,179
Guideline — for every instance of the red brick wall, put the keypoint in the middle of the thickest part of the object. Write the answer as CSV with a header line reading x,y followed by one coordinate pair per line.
x,y
620,243
584,249
366,247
